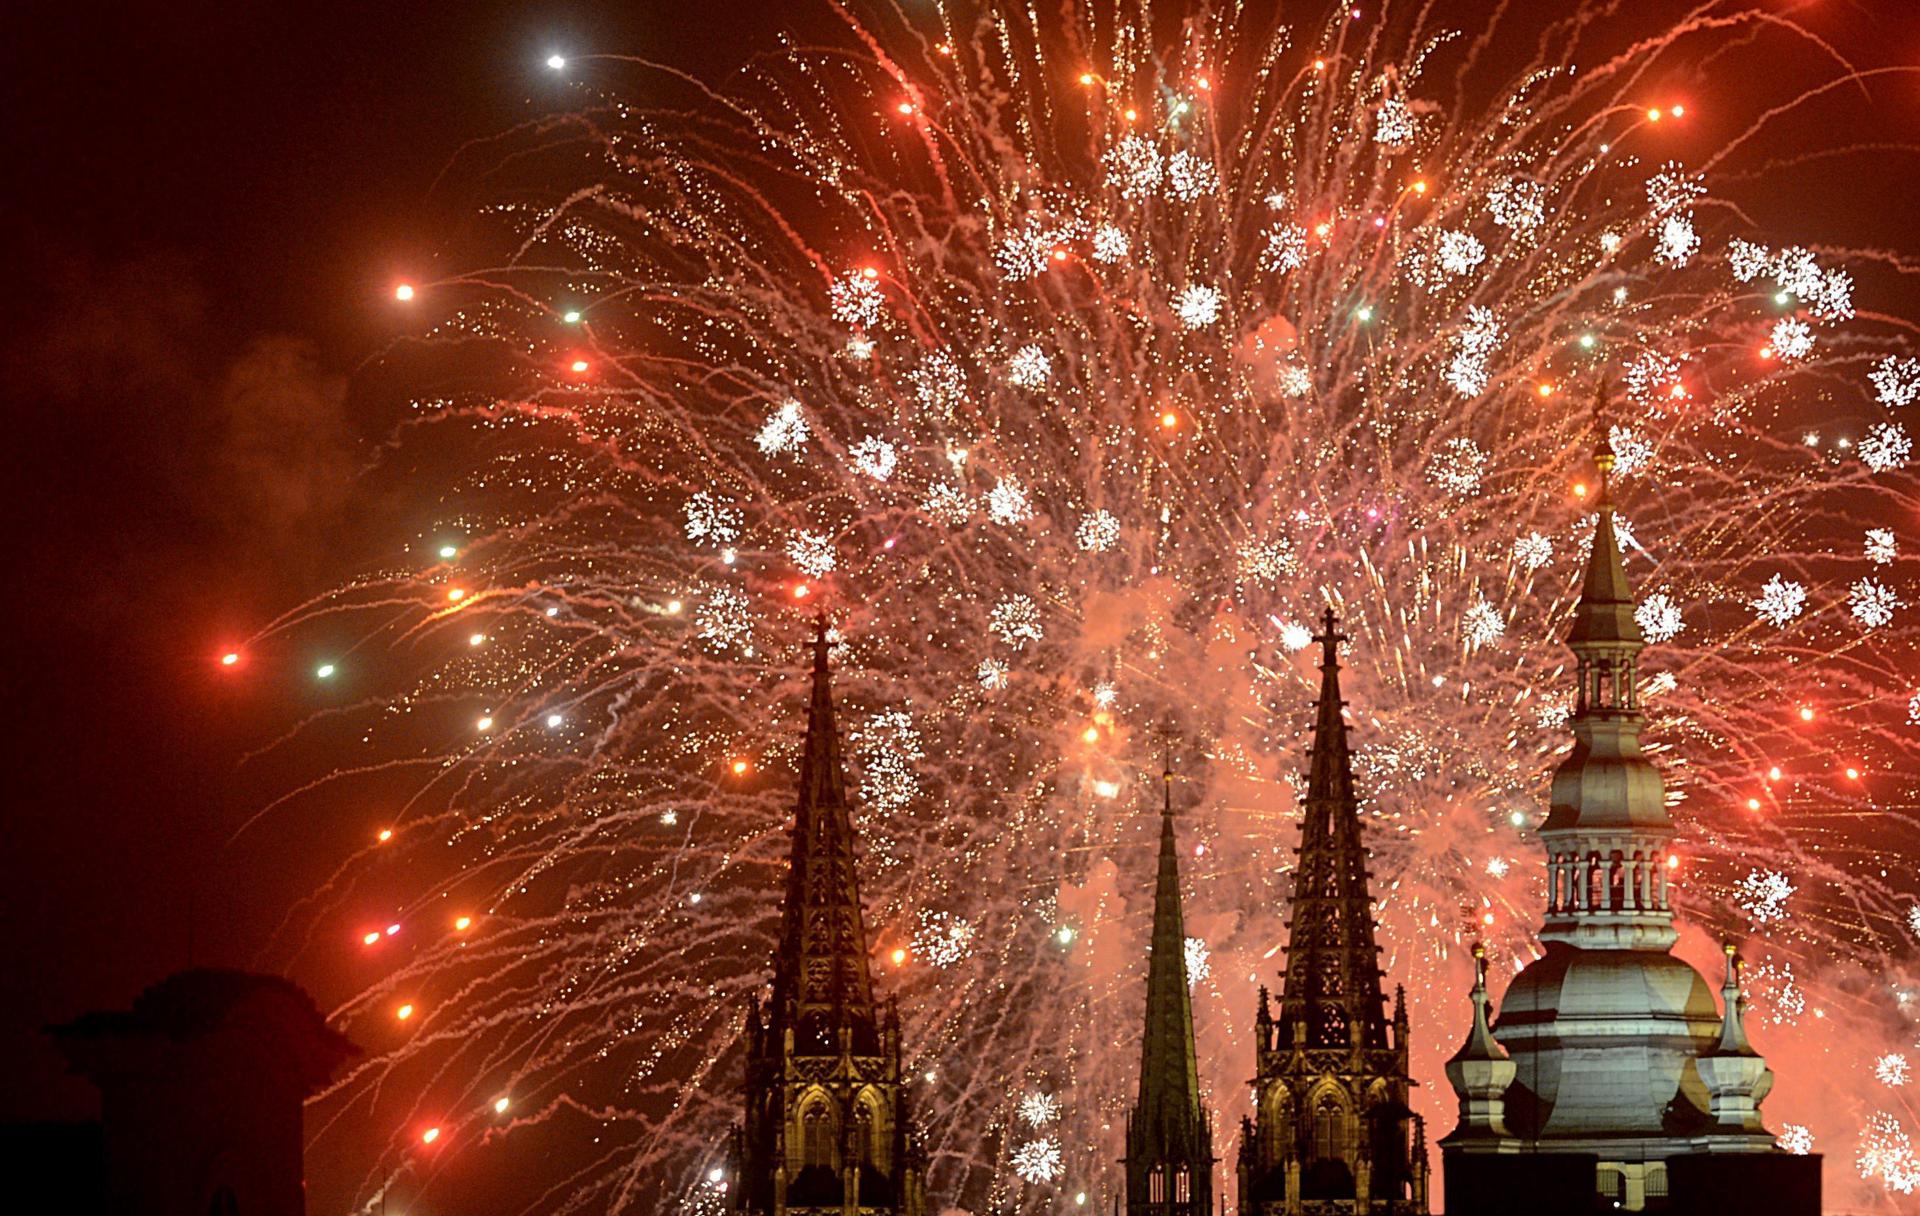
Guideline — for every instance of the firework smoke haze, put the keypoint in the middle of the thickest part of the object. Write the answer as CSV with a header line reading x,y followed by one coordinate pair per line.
x,y
1072,362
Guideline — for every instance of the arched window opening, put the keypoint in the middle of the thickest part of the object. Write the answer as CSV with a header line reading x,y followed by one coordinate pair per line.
x,y
1157,1184
817,1137
1182,1185
1616,883
1329,1131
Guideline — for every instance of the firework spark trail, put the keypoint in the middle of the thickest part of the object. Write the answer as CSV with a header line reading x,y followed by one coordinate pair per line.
x,y
1053,363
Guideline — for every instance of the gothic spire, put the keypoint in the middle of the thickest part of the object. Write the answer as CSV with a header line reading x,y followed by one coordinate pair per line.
x,y
1332,989
1169,1077
821,974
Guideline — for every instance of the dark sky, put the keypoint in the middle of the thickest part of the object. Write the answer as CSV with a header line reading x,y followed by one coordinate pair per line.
x,y
207,204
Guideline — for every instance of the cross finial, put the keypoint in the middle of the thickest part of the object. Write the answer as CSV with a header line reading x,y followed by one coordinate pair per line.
x,y
1602,443
820,640
1328,638
1166,733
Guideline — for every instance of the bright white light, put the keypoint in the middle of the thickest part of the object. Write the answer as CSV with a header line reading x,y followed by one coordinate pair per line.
x,y
556,62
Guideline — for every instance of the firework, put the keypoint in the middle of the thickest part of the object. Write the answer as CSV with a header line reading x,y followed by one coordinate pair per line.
x,y
1068,369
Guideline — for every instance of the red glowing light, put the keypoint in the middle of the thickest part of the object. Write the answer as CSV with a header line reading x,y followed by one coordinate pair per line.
x,y
899,956
869,273
739,768
578,366
430,1135
802,591
385,835
1853,774
230,659
403,292
1169,420
368,939
1806,713
1673,861
905,107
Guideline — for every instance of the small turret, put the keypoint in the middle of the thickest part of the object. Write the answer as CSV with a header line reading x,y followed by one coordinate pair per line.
x,y
1480,1072
1735,1076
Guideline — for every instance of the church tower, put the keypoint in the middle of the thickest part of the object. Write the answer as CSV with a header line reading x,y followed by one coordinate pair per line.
x,y
1331,1132
827,1129
1169,1160
1608,1081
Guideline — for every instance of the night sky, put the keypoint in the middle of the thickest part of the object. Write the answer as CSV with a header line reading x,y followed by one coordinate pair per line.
x,y
209,204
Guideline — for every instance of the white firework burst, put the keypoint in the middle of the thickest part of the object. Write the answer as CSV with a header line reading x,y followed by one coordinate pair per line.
x,y
1038,1161
1190,177
856,299
1134,167
1111,244
1266,562
1881,547
1532,550
1518,204
1473,344
1007,503
890,751
1016,621
1781,600
1677,242
939,385
1098,532
1632,452
1792,339
1199,961
1763,895
947,505
1662,683
943,939
1885,447
1029,368
1286,249
1458,466
785,431
1393,124
1891,1069
1673,189
1913,911
1198,306
1039,1108
993,674
1658,617
1872,603
1887,1154
1482,624
713,520
875,457
1457,253
1796,1139
812,553
1896,380
1295,637
724,619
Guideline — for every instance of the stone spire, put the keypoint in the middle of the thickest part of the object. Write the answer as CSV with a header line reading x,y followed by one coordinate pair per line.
x,y
1481,1070
1607,830
1332,993
829,1123
1169,1141
821,973
1332,1132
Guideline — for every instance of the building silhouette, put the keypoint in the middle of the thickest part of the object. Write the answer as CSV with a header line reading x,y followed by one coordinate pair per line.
x,y
1331,1131
827,1128
202,1084
1169,1161
1608,1080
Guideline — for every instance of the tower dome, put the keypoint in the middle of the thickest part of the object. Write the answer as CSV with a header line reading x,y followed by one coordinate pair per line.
x,y
1609,1071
